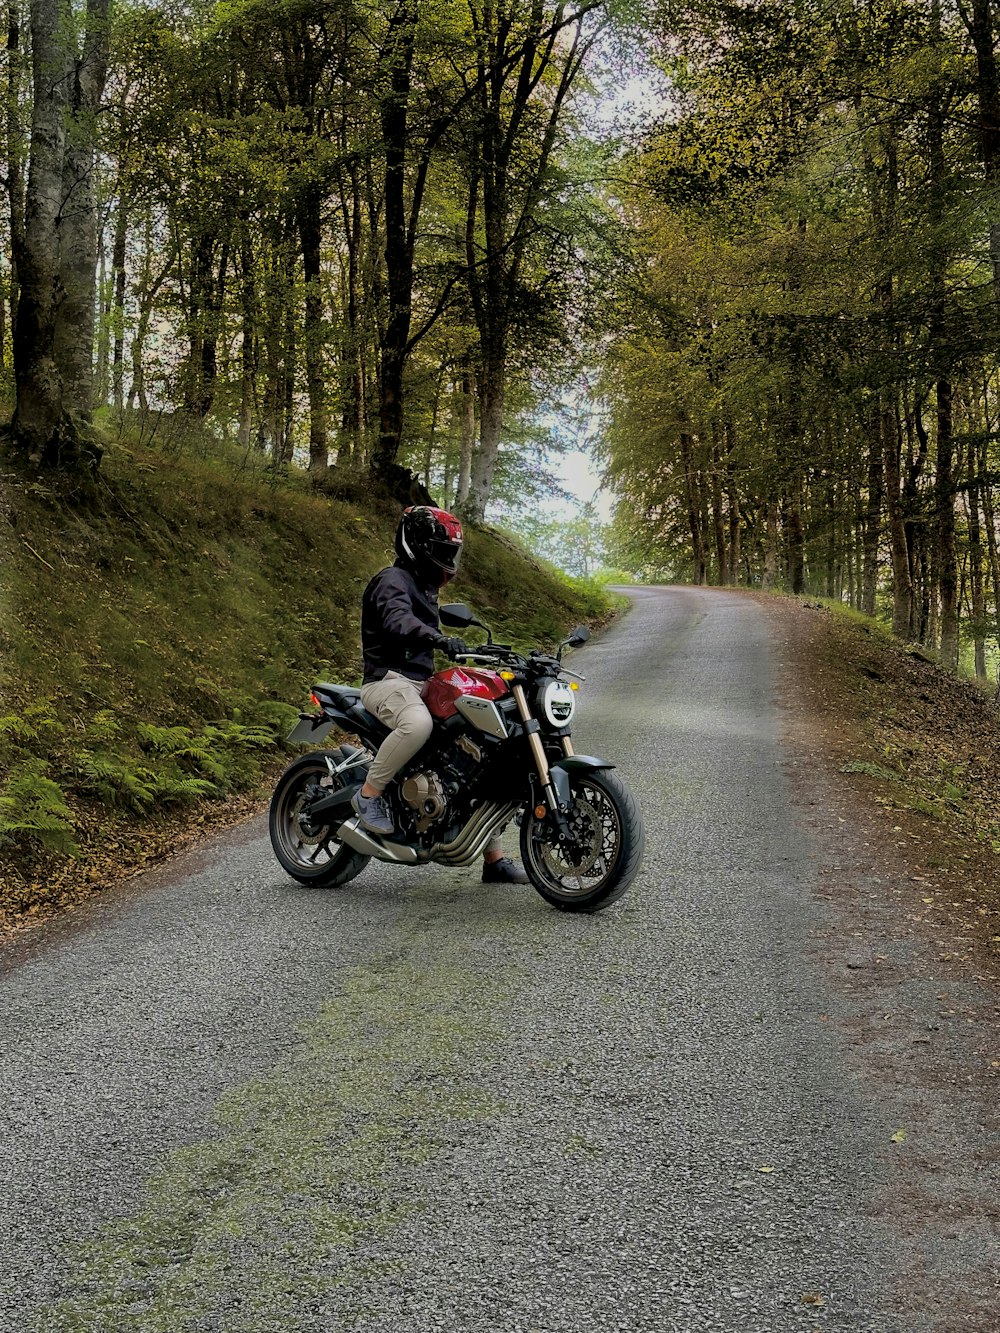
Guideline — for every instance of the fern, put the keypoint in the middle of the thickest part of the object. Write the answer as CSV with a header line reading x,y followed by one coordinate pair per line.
x,y
103,727
180,744
164,740
30,725
277,717
139,787
180,767
114,782
17,728
252,735
176,789
33,809
236,744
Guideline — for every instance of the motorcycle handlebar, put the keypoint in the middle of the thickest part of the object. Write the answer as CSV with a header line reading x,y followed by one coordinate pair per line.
x,y
503,654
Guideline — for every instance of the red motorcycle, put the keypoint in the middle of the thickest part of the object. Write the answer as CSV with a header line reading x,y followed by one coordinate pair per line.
x,y
501,749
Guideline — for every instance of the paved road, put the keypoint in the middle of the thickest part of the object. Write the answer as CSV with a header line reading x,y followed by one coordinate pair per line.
x,y
229,1103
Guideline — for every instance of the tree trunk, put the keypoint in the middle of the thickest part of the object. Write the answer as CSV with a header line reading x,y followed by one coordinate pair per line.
x,y
733,507
310,238
873,517
397,60
76,308
248,340
41,425
491,399
467,411
991,539
795,537
944,553
285,444
976,566
849,560
916,531
693,499
196,403
770,547
148,287
830,500
118,258
980,26
15,149
105,290
902,585
718,514
352,342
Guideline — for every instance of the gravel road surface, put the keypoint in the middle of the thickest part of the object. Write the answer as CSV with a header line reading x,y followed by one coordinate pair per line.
x,y
230,1103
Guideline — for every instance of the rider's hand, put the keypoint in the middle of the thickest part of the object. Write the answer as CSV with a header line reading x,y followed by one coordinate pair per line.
x,y
453,648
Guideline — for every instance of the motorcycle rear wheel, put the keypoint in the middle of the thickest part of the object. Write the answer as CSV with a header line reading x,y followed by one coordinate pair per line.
x,y
604,857
311,854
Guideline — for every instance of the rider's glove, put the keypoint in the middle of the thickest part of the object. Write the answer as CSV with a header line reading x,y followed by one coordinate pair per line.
x,y
453,648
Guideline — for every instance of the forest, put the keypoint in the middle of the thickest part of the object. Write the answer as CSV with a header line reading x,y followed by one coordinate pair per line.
x,y
379,243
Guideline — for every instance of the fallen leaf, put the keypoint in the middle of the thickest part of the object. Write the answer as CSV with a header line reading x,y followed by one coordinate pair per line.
x,y
813,1298
766,1169
899,1136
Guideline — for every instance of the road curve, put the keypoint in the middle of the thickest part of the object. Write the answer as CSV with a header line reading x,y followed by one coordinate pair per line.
x,y
419,1103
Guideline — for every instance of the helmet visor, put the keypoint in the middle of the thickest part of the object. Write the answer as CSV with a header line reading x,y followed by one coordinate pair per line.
x,y
445,553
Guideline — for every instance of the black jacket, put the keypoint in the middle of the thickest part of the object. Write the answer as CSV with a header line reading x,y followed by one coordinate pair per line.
x,y
399,624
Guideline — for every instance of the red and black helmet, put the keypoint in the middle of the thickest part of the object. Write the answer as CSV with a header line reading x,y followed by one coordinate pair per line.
x,y
431,540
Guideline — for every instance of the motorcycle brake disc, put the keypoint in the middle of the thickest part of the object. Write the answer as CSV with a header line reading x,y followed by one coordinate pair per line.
x,y
587,845
308,833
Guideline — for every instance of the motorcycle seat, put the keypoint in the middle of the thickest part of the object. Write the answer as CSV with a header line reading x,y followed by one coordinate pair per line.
x,y
341,696
346,699
369,721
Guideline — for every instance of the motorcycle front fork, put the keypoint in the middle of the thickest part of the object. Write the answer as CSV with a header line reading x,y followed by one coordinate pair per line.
x,y
532,731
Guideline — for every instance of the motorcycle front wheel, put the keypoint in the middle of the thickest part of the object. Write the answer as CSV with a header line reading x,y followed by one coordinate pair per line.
x,y
602,854
309,852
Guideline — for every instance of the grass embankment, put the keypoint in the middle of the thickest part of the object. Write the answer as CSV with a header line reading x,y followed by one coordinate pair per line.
x,y
920,752
156,643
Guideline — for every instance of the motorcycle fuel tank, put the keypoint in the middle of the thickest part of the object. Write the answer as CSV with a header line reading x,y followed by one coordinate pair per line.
x,y
443,690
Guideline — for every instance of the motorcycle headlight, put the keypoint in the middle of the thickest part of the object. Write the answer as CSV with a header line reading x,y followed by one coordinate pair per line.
x,y
556,703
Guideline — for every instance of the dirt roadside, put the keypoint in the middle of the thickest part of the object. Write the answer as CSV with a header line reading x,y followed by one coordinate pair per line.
x,y
896,770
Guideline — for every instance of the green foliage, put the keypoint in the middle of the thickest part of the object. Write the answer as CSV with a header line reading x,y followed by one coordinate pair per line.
x,y
923,805
114,782
33,725
575,543
33,811
181,766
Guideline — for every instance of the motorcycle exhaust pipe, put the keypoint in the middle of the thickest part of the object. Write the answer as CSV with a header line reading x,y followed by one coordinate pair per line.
x,y
472,839
353,835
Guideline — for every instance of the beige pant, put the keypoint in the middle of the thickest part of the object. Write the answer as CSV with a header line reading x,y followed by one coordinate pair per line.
x,y
397,702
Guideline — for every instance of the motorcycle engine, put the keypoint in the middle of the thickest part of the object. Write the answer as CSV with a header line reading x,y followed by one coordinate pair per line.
x,y
426,795
432,794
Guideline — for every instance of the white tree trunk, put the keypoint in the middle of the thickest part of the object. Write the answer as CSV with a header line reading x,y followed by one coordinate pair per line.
x,y
484,464
57,262
467,392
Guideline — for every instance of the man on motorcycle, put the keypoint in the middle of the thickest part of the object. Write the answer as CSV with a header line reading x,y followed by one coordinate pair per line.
x,y
399,635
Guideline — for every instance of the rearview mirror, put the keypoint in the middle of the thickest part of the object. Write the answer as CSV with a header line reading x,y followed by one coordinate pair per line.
x,y
577,636
456,615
